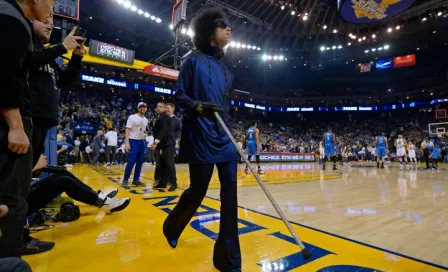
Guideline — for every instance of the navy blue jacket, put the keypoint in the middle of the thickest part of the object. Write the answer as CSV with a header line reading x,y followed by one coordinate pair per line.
x,y
204,78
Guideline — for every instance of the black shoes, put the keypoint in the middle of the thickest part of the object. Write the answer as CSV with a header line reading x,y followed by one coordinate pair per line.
x,y
172,188
35,247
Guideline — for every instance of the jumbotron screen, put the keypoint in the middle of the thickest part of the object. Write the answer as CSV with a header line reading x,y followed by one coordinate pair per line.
x,y
67,8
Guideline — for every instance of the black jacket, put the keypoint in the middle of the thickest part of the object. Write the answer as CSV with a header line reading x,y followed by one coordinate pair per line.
x,y
177,127
46,77
16,56
163,131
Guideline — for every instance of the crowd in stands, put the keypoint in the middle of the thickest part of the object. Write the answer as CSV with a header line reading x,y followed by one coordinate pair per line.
x,y
298,134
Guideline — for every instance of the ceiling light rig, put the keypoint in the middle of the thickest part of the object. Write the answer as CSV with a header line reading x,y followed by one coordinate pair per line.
x,y
128,5
327,48
244,46
269,57
381,48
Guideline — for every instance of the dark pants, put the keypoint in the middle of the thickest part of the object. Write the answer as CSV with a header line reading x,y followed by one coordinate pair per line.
x,y
45,190
150,155
426,156
158,173
167,166
15,178
40,129
121,157
96,155
14,265
111,150
227,254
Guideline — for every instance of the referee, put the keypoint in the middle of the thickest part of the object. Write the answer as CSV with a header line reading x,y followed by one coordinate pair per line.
x,y
164,146
135,145
15,122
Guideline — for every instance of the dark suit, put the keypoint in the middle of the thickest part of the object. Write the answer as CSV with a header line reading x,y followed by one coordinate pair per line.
x,y
165,150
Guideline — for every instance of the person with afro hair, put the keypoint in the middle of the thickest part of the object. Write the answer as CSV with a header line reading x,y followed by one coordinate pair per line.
x,y
203,88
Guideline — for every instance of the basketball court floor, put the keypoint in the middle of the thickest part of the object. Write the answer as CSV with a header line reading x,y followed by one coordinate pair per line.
x,y
357,218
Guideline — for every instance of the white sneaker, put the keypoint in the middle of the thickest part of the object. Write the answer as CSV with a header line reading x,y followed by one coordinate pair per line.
x,y
108,164
112,205
109,194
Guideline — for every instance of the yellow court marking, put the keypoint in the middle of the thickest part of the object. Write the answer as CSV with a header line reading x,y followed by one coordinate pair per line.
x,y
132,240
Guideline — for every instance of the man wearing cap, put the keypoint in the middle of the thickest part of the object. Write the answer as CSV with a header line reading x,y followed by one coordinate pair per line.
x,y
135,145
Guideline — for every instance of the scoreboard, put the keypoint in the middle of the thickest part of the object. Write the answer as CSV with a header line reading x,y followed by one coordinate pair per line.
x,y
67,9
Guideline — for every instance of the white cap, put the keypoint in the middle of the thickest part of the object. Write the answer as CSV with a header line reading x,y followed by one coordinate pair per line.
x,y
141,104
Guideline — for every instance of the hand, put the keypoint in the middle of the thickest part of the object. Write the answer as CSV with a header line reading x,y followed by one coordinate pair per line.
x,y
80,51
3,212
42,163
63,148
153,146
72,41
18,141
127,147
208,108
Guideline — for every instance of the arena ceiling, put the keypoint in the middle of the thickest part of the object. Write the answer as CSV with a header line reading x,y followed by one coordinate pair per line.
x,y
268,24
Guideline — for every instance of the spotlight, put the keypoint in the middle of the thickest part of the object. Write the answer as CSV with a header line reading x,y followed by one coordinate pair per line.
x,y
434,32
140,11
127,4
306,13
328,48
275,57
335,31
232,44
373,49
305,17
283,7
424,19
334,47
183,31
389,29
349,43
418,48
158,20
133,8
258,48
280,57
293,12
264,57
147,15
380,48
171,26
364,38
120,2
325,26
439,13
269,57
359,40
367,51
354,37
243,45
238,45
398,27
322,48
373,36
386,47
190,33
350,35
153,17
340,47
249,46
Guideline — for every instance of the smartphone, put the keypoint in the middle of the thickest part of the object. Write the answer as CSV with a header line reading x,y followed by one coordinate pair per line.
x,y
81,32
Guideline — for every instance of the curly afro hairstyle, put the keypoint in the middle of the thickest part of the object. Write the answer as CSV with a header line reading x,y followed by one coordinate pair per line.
x,y
203,26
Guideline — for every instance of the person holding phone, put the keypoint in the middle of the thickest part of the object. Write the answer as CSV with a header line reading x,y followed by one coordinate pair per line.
x,y
46,77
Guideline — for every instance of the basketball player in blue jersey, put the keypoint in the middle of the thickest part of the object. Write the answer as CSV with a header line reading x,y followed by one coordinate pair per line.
x,y
329,140
381,150
252,146
434,157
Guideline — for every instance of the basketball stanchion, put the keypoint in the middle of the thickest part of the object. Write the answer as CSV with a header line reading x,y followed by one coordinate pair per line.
x,y
306,253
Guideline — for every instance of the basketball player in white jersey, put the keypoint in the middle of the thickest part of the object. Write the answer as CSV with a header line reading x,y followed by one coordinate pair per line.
x,y
400,144
411,154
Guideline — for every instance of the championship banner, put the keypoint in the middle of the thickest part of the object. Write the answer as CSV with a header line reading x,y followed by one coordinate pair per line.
x,y
112,52
285,157
365,67
156,70
405,61
370,11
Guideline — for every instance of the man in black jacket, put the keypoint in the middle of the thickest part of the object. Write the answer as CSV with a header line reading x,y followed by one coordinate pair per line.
x,y
165,148
15,123
46,77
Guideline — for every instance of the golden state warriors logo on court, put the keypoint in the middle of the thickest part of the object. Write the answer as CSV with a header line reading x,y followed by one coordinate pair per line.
x,y
369,11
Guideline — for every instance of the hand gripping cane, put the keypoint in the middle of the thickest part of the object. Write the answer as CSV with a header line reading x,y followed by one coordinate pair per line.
x,y
306,253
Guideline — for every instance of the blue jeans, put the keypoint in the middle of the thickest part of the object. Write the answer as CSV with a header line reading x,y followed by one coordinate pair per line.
x,y
136,156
